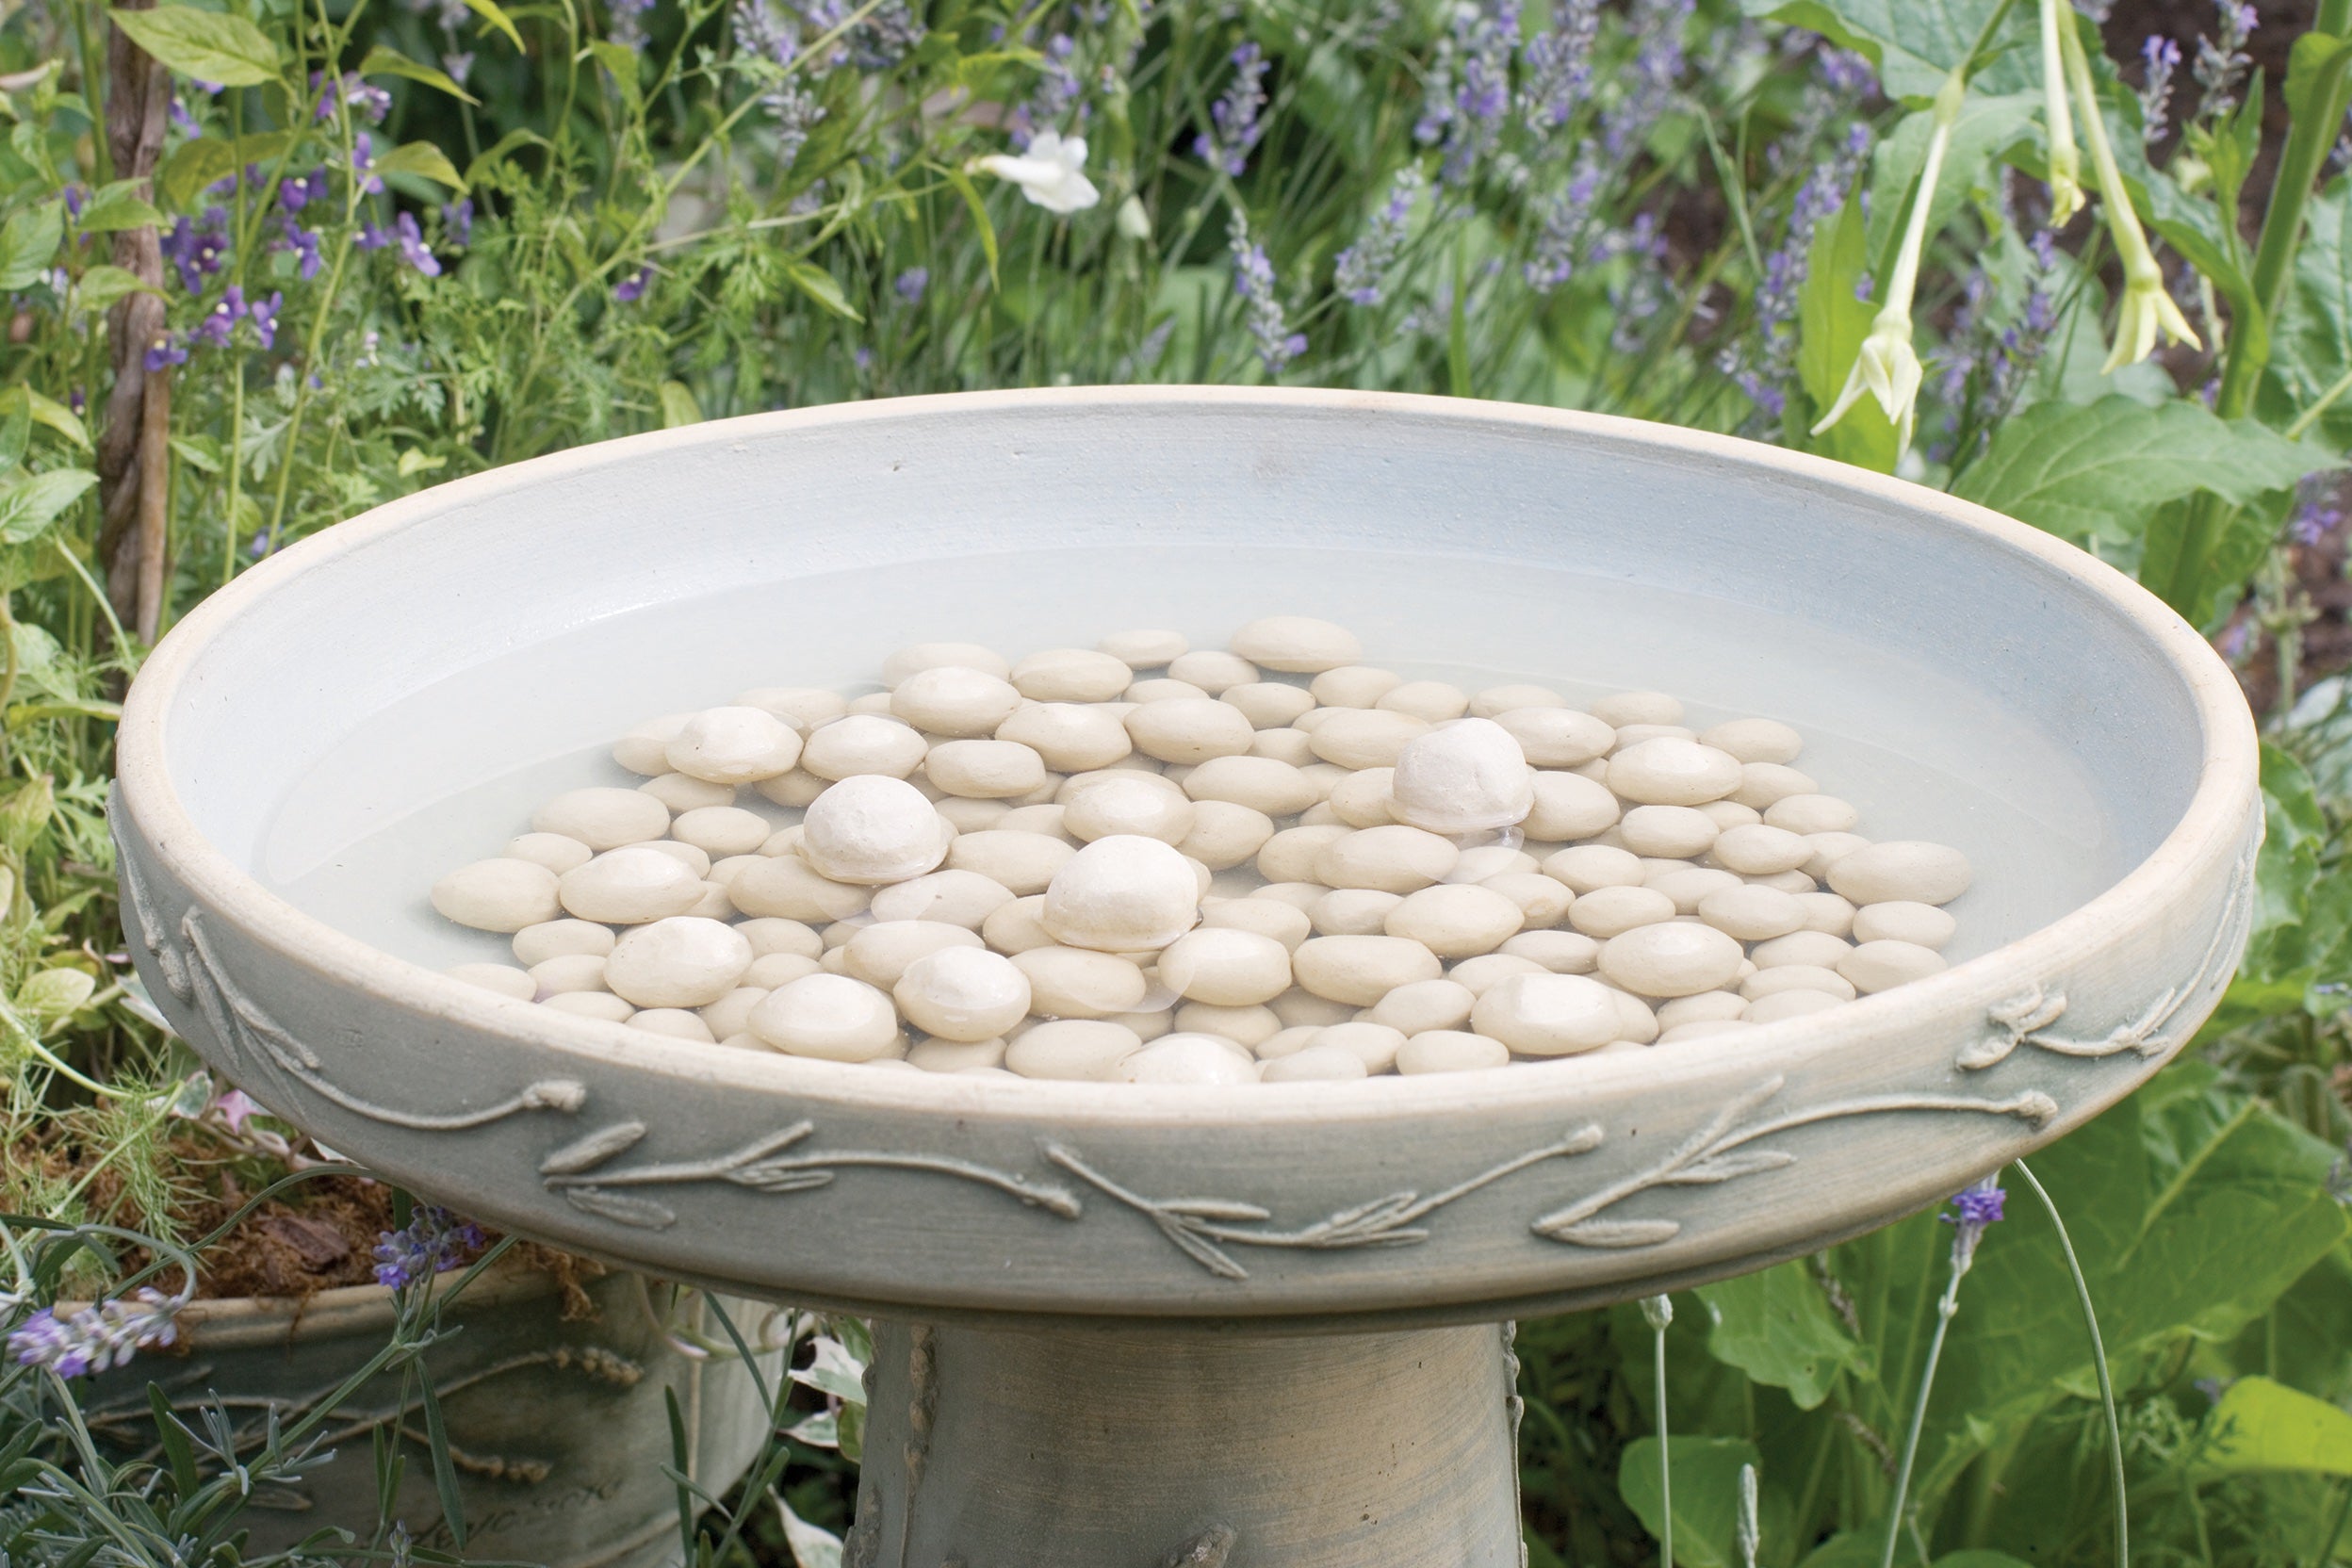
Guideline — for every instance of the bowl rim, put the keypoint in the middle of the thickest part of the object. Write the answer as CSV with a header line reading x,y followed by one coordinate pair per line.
x,y
2213,825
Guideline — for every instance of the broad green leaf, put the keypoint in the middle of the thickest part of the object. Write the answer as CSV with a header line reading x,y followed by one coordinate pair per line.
x,y
624,65
381,61
120,206
1706,1494
1916,43
2261,1425
422,158
819,285
678,406
209,46
1987,129
16,433
833,1369
811,1545
55,993
1830,325
46,410
491,12
2315,66
2098,471
30,505
1777,1326
497,152
205,161
28,244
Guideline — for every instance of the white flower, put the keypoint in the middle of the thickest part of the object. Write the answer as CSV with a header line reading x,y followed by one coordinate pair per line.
x,y
2065,165
1050,173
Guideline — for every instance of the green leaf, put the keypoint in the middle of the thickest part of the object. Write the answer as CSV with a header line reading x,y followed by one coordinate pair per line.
x,y
381,61
422,158
2261,1425
103,285
678,406
1706,1494
16,433
1830,325
209,46
123,204
30,505
833,1369
811,1545
205,161
2099,471
818,284
2313,65
491,12
1916,43
1988,128
177,1449
625,66
444,1464
980,220
55,992
46,410
28,244
1777,1326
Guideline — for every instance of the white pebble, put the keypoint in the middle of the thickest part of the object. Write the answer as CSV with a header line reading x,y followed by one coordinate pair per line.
x,y
1728,814
1226,968
1557,737
595,1005
1811,814
1762,783
1759,850
1423,1006
1755,739
554,939
731,1015
568,972
870,828
1462,778
1123,894
1267,917
1701,1007
1245,1026
1751,914
1373,1044
1313,1064
1457,922
1144,651
1396,859
1547,1014
1626,708
603,818
683,961
1071,675
1353,686
1161,688
1670,832
963,993
953,701
645,749
1796,977
1144,805
1292,855
1788,1005
1903,920
1900,870
1561,952
1673,773
734,746
1688,885
1293,746
1014,929
721,830
770,935
796,789
789,887
552,850
944,1056
1189,730
1263,785
688,855
1190,1059
1224,835
951,897
627,887
1074,982
683,791
1673,958
1022,862
1073,1048
1543,901
1584,868
828,1016
503,895
1432,701
863,743
1450,1050
1353,912
984,770
1881,966
1361,969
675,1022
1296,644
880,954
1267,704
1827,912
1212,671
1364,737
1611,911
1817,948
1071,737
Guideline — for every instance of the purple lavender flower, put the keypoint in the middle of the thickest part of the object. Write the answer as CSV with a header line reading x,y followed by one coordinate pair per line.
x,y
1234,127
197,250
434,1242
364,165
457,222
1057,90
1846,72
1650,80
259,546
765,47
96,1338
1558,66
1978,1207
1253,282
413,250
1361,274
2222,62
1764,377
911,284
264,314
1469,86
885,36
2317,515
1560,239
632,289
2161,56
628,21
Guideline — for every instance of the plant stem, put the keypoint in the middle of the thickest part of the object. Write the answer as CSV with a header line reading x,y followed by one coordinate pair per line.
x,y
2099,1360
2335,1532
1659,1311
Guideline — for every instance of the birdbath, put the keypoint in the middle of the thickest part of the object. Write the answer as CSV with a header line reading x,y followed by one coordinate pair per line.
x,y
1143,1324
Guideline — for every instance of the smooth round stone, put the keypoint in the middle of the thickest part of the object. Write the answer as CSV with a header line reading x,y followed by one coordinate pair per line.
x,y
917,656
1475,975
1284,745
1547,1015
1786,882
1450,1050
1225,968
1423,1006
1353,686
1125,894
945,1056
1144,651
1903,920
1224,835
554,851
603,818
796,789
881,953
1361,969
1635,1020
1072,1049
1751,914
1212,671
1494,701
1701,1007
1543,901
1673,773
1432,701
1190,1059
1395,860
645,748
505,979
1557,737
984,770
1366,737
1016,927
1120,802
1881,966
1246,1027
1189,730
1162,689
503,895
1812,814
1816,948
1267,704
1670,832
1587,868
863,743
684,961
1688,885
1263,785
568,972
627,887
1361,799
1353,912
768,933
955,702
595,1005
684,793
1628,708
1788,1005
1267,917
1291,855
715,903
556,938
1299,895
720,830
1484,862
771,969
1296,644
802,707
828,1016
1074,982
734,746
1373,1045
1071,737
1760,850
1827,912
1313,1064
1728,814
731,1015
870,829
1632,735
963,898
1608,912
1561,952
1675,958
963,993
677,1023
1022,862
1762,784
1462,778
1755,740
787,887
1796,977
1702,1029
1458,921
1900,870
1071,675
685,855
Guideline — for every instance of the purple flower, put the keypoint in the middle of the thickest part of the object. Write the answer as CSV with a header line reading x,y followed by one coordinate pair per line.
x,y
79,400
371,237
76,199
165,351
368,103
1657,63
911,284
1254,283
97,1338
364,165
2317,514
302,242
629,24
1469,86
1234,124
413,250
182,121
1979,1206
235,1105
265,318
1558,248
1558,66
1058,91
457,222
2221,63
2161,56
197,250
296,194
1361,274
434,1242
222,319
632,289
764,48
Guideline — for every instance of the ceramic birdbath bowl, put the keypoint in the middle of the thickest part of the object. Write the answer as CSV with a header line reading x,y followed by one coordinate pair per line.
x,y
1136,1324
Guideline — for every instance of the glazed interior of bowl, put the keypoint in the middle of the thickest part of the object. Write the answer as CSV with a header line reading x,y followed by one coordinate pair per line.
x,y
392,700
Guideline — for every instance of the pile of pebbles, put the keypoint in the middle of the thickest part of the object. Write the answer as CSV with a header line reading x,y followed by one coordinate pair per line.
x,y
1149,863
